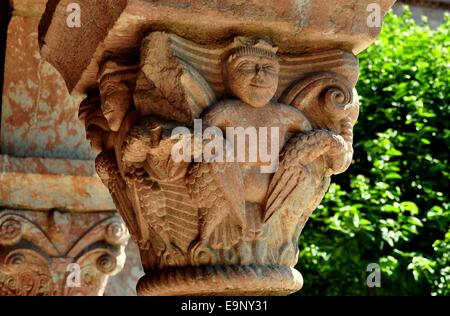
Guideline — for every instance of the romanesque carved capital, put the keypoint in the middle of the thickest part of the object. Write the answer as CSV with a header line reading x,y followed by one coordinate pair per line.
x,y
232,223
58,253
219,127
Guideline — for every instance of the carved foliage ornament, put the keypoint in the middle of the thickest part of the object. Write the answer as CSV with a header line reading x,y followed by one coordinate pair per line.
x,y
220,226
56,253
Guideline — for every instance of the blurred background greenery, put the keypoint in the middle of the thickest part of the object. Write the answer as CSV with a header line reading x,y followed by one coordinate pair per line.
x,y
391,207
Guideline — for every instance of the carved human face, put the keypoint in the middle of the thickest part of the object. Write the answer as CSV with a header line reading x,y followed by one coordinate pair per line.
x,y
253,79
116,101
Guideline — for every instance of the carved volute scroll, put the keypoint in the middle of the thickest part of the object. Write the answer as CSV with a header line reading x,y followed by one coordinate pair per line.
x,y
205,226
57,253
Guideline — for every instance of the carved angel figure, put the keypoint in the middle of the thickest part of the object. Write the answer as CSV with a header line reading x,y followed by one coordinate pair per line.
x,y
251,73
234,199
178,211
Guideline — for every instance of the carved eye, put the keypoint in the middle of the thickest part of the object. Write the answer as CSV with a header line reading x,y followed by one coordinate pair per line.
x,y
246,66
269,68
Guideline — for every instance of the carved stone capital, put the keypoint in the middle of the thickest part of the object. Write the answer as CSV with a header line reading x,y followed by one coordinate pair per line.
x,y
58,253
174,113
211,226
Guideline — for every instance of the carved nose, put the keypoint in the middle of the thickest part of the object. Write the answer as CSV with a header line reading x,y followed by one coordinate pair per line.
x,y
259,76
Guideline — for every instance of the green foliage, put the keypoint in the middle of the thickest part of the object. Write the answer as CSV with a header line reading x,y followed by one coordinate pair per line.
x,y
391,207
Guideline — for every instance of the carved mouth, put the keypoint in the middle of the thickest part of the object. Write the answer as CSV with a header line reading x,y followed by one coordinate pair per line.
x,y
261,86
108,112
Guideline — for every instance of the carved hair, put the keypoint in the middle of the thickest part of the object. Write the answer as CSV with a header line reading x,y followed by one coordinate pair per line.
x,y
253,47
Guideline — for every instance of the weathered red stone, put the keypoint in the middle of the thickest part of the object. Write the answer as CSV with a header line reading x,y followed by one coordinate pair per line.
x,y
39,118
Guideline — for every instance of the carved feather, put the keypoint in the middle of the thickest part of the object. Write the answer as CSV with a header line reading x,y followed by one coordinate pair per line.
x,y
285,182
168,211
206,60
159,193
179,78
291,178
108,172
218,190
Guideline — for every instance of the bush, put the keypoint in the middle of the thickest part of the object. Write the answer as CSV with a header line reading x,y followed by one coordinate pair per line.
x,y
391,206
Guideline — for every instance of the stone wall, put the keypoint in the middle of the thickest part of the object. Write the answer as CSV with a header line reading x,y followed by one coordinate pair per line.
x,y
434,10
45,160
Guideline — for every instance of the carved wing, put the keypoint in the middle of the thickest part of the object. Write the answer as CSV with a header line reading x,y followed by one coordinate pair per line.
x,y
171,219
292,186
159,192
179,78
109,173
218,188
